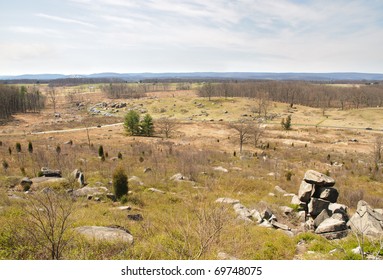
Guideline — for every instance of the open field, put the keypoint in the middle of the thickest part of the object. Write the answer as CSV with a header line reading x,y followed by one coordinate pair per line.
x,y
180,219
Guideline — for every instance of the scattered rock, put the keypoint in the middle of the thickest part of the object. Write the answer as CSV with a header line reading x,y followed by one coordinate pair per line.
x,y
280,190
286,209
327,193
366,220
46,172
279,225
148,169
105,234
227,200
136,180
305,190
224,256
124,208
26,183
316,206
221,169
179,177
90,191
332,228
156,190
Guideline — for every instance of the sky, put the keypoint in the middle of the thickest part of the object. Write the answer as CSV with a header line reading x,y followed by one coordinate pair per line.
x,y
135,36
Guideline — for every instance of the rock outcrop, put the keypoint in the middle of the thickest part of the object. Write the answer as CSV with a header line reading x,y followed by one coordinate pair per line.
x,y
98,233
317,196
366,220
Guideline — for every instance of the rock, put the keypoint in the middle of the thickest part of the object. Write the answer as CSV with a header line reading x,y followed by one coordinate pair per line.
x,y
179,177
305,190
124,208
156,190
224,256
280,190
111,196
147,170
26,183
366,220
327,193
266,214
79,176
136,180
227,200
245,219
271,194
135,217
256,216
286,209
357,250
331,225
105,234
319,179
221,169
295,200
316,206
335,235
302,216
90,191
289,194
47,180
336,207
325,214
279,225
46,172
266,224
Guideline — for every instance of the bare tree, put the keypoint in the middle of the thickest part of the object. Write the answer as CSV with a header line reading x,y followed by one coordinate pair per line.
x,y
244,130
48,221
52,95
166,126
207,90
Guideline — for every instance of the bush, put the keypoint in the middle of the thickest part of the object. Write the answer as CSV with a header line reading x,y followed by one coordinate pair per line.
x,y
286,124
120,183
131,123
101,151
18,147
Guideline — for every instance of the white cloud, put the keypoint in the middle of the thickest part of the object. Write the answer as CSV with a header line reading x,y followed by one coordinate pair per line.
x,y
65,20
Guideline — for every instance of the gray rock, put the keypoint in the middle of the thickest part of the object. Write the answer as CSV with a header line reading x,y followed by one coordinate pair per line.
x,y
325,214
331,225
46,172
286,209
179,177
266,224
256,216
90,191
105,234
221,169
327,193
26,182
156,190
295,200
124,208
266,214
302,216
319,179
305,190
227,200
279,225
316,206
224,256
280,190
136,180
335,235
366,220
335,207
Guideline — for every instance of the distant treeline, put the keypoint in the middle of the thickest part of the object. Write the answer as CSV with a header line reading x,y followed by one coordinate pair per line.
x,y
19,99
303,93
137,90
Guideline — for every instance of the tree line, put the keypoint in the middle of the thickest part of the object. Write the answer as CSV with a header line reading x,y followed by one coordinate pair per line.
x,y
19,100
302,93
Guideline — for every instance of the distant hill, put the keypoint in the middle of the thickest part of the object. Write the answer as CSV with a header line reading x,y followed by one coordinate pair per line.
x,y
340,76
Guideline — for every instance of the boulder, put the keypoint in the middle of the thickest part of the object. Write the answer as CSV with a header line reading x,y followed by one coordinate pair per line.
x,y
286,209
336,207
179,177
295,200
135,180
319,179
266,214
26,182
90,191
316,206
366,220
156,190
46,172
279,225
305,190
331,225
221,169
327,193
241,210
325,214
280,190
79,176
256,216
105,233
227,200
225,256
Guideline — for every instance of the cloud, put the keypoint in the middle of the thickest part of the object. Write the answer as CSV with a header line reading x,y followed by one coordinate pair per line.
x,y
65,20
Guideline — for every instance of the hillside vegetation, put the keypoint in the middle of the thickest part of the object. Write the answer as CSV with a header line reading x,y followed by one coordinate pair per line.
x,y
175,178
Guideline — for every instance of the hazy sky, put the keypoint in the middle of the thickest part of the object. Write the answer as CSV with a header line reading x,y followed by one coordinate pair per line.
x,y
90,36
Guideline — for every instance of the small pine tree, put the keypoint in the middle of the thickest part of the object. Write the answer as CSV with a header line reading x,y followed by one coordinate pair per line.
x,y
132,123
30,147
101,151
58,150
119,155
18,147
286,124
5,165
120,183
10,150
147,126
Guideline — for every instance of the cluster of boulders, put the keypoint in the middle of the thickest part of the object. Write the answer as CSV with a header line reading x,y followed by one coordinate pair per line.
x,y
318,197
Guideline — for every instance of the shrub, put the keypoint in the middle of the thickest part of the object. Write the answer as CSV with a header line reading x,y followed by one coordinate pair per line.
x,y
119,155
147,126
101,151
30,147
120,183
286,124
18,147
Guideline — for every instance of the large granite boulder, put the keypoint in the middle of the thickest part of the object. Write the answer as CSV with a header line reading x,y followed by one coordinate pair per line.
x,y
332,228
97,233
366,220
47,172
319,179
316,206
327,193
305,190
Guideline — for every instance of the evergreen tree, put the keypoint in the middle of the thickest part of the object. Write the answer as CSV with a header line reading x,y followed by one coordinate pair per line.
x,y
147,126
132,123
120,182
30,147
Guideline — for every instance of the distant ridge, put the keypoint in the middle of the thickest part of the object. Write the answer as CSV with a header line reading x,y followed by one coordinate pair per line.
x,y
336,76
